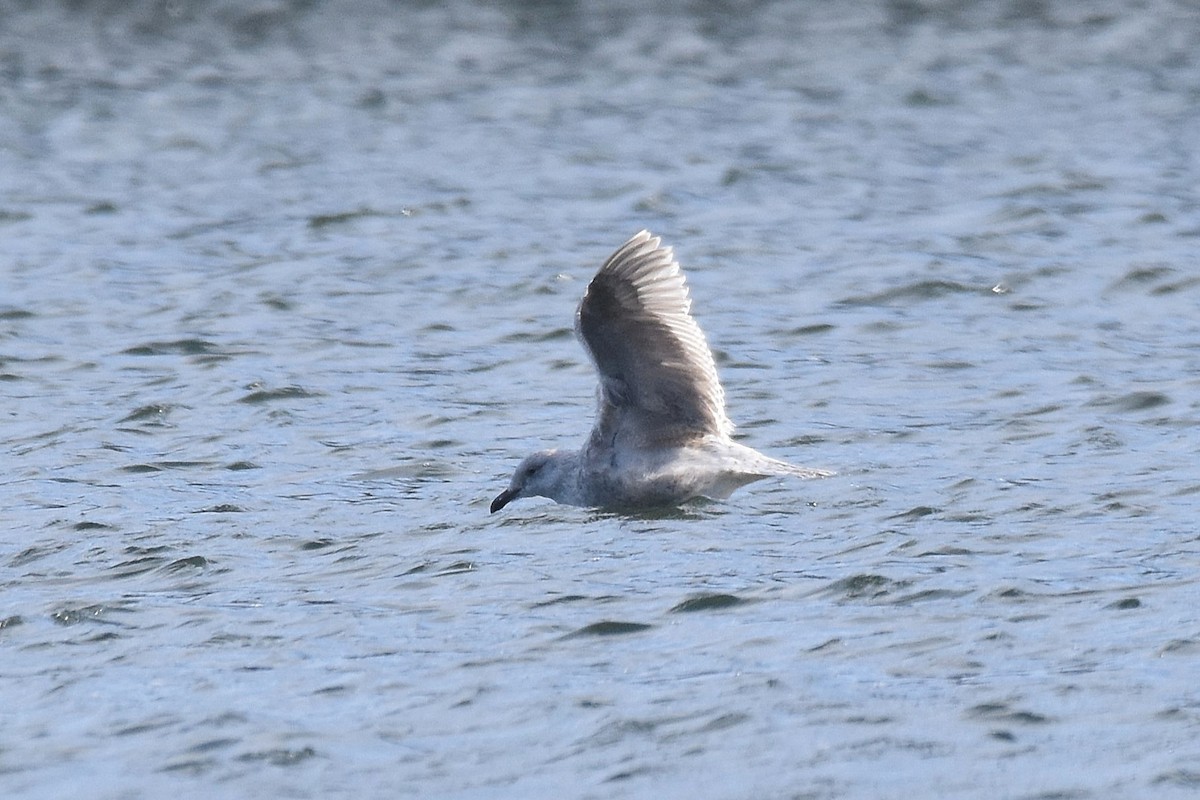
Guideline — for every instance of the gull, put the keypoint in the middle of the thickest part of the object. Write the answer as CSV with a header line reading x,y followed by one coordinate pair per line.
x,y
661,436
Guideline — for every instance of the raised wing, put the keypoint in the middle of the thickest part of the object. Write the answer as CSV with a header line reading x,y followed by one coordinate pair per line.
x,y
657,374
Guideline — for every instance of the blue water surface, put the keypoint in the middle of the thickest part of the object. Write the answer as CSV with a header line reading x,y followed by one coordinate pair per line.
x,y
287,289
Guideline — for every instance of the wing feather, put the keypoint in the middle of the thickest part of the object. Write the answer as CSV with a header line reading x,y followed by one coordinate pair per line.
x,y
656,371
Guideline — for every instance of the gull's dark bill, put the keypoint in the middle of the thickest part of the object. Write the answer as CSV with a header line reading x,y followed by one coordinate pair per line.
x,y
503,499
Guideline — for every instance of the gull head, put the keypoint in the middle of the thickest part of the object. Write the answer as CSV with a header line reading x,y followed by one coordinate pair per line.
x,y
546,473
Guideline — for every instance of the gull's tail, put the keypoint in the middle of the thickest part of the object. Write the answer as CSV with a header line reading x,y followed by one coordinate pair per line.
x,y
801,472
755,462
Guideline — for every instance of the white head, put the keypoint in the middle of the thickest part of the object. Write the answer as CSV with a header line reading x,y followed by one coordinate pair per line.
x,y
546,473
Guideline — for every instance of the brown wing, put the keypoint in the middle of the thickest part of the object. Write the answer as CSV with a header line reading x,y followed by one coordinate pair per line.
x,y
657,376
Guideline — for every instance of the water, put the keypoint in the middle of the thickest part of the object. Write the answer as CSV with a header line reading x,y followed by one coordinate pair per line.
x,y
287,290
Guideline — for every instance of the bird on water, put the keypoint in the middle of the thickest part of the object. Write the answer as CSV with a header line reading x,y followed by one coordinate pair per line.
x,y
661,435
